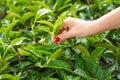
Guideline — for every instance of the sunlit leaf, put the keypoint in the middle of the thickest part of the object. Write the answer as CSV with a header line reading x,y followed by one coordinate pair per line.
x,y
7,76
45,22
23,52
4,67
17,41
58,23
9,28
13,14
3,44
43,11
83,50
46,29
42,4
17,77
27,16
9,57
10,77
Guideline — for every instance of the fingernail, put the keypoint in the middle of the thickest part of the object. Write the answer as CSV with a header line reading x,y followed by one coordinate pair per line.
x,y
57,39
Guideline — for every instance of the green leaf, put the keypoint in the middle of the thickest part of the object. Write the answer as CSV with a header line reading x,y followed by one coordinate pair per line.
x,y
42,4
67,53
17,77
13,14
9,57
27,16
27,53
59,22
64,7
108,75
0,57
55,55
0,24
43,11
58,64
50,78
4,67
3,44
76,78
10,77
47,74
17,41
107,45
46,23
45,52
62,74
24,64
37,53
23,52
81,73
97,52
7,76
2,29
9,28
46,29
83,50
94,68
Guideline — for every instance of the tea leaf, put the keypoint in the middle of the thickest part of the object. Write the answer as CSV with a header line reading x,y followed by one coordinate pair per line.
x,y
9,28
54,55
97,52
76,78
83,50
46,23
3,45
17,77
107,45
43,11
58,23
42,4
58,64
7,76
94,68
46,29
81,73
23,52
4,67
17,41
9,57
50,78
27,16
13,14
10,77
63,7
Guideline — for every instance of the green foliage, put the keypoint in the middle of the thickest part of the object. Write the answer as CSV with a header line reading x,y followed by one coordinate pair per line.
x,y
26,50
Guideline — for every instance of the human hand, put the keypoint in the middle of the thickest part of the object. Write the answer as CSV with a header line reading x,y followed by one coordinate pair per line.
x,y
73,27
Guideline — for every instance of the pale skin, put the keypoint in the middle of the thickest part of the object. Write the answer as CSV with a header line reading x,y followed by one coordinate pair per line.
x,y
73,27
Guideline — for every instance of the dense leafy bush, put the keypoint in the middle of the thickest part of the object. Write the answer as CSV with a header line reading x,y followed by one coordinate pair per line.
x,y
26,50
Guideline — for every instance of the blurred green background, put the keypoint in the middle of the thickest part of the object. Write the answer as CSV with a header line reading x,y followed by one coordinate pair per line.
x,y
26,50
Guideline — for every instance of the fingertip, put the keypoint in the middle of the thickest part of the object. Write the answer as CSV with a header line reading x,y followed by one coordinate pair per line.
x,y
56,40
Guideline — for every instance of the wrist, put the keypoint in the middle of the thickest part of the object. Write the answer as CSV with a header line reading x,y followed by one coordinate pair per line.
x,y
99,26
94,28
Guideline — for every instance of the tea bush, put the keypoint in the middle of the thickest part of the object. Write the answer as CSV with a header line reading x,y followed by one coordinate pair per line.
x,y
26,50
